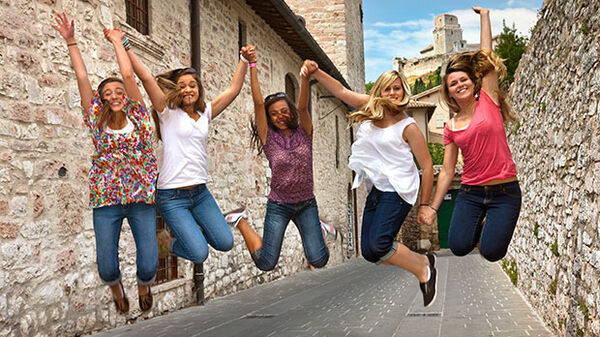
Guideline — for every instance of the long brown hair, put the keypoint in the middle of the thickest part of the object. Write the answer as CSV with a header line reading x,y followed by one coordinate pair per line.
x,y
270,100
168,84
477,64
377,106
106,116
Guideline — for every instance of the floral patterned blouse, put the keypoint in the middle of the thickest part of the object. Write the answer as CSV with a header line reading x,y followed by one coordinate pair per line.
x,y
124,168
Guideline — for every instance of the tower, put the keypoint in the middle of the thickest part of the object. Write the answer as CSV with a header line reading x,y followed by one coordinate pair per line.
x,y
446,34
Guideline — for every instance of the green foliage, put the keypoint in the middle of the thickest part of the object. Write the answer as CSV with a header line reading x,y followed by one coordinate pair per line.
x,y
436,150
554,248
529,147
580,332
516,126
432,81
543,106
552,287
368,86
585,29
536,230
583,308
510,268
510,47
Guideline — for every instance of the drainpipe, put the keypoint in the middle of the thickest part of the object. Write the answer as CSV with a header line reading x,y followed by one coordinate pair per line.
x,y
195,58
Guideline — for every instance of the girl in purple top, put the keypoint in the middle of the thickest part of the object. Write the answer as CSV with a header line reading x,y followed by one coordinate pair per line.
x,y
284,133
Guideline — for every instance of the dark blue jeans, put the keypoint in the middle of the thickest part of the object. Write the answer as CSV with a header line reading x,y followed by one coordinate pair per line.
x,y
383,215
499,205
196,220
305,216
107,227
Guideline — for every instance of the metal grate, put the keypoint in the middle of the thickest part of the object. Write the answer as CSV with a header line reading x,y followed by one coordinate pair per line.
x,y
167,267
137,15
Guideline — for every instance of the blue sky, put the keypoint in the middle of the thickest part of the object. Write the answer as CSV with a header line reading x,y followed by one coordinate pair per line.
x,y
400,28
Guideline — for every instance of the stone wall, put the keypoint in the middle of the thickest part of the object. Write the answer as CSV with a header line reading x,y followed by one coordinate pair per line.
x,y
48,279
556,146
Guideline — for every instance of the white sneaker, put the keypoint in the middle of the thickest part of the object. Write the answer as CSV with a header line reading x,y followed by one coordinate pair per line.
x,y
234,217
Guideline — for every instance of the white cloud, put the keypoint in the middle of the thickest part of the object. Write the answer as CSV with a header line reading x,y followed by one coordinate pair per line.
x,y
386,40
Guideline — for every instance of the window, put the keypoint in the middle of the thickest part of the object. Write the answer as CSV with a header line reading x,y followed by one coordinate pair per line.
x,y
241,34
137,15
167,267
290,86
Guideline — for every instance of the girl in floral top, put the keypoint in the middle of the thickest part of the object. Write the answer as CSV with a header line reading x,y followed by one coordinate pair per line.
x,y
123,172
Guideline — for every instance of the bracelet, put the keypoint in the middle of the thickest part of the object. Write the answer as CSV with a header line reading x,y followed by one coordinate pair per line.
x,y
243,59
126,44
252,65
432,208
71,44
424,204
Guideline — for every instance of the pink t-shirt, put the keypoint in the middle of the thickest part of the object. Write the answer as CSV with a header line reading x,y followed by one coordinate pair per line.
x,y
483,144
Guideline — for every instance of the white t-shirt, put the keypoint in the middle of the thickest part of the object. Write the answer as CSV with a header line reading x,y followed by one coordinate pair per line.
x,y
385,159
127,129
184,159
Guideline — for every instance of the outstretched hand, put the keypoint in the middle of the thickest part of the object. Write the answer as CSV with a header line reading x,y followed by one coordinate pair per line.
x,y
114,35
308,68
65,28
249,53
480,10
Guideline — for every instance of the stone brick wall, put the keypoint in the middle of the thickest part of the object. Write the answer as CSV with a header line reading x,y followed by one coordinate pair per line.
x,y
48,279
556,146
337,27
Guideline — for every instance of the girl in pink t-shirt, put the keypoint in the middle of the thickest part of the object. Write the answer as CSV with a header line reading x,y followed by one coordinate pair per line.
x,y
488,204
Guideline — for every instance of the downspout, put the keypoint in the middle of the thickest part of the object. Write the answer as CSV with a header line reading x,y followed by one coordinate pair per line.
x,y
195,59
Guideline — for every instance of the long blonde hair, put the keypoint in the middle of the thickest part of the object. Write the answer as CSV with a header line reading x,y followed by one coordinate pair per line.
x,y
377,106
477,64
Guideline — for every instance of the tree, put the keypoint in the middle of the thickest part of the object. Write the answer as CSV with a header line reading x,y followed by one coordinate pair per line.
x,y
510,47
368,86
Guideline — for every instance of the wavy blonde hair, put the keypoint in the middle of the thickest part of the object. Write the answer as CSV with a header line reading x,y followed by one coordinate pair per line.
x,y
477,64
377,106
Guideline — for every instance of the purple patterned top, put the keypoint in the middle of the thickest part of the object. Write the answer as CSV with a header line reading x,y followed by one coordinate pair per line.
x,y
290,160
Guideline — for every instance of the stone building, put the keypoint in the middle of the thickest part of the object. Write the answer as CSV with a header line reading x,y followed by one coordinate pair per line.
x,y
554,258
48,280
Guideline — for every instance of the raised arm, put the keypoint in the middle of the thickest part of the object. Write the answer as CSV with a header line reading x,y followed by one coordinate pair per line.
x,y
489,83
303,113
226,97
157,97
336,88
260,115
67,31
133,91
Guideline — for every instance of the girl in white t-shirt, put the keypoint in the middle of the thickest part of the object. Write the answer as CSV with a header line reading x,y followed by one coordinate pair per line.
x,y
182,197
382,157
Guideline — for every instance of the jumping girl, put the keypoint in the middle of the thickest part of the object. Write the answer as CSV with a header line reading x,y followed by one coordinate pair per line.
x,y
490,190
123,172
183,199
284,133
381,155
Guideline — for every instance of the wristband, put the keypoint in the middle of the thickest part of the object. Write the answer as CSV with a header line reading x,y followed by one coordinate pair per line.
x,y
432,208
126,44
243,59
252,65
424,204
71,44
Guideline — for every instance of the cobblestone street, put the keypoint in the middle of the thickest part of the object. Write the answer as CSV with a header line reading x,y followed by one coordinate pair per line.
x,y
475,298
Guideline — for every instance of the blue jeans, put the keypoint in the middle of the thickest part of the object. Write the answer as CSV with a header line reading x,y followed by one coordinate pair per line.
x,y
196,220
499,205
383,215
305,216
107,226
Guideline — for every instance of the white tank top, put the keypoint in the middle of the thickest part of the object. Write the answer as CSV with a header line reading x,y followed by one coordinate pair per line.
x,y
384,159
184,160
